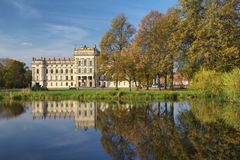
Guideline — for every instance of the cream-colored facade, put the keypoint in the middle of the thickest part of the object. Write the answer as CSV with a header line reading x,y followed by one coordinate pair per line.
x,y
76,72
72,73
83,114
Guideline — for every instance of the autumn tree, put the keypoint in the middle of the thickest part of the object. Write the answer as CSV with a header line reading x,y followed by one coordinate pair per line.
x,y
217,41
207,36
147,46
129,59
191,14
113,42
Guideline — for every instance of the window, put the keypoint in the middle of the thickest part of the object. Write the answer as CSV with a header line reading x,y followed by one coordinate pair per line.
x,y
71,70
37,71
71,77
79,63
90,63
71,83
46,71
85,62
56,70
90,70
61,70
79,70
51,70
66,77
37,78
85,70
66,83
66,71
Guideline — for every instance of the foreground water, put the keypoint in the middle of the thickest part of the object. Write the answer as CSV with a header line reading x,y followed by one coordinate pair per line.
x,y
94,130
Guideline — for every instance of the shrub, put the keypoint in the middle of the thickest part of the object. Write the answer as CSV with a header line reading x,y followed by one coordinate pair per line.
x,y
231,82
207,82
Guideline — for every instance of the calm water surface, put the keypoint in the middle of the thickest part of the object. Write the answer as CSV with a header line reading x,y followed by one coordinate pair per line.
x,y
93,130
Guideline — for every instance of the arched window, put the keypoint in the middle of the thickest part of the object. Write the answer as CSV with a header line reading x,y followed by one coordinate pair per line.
x,y
37,71
85,70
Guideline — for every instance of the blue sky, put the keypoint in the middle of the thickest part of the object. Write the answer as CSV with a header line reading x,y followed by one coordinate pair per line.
x,y
52,28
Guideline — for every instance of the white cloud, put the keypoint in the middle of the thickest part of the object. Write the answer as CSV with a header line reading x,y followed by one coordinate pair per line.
x,y
26,44
25,8
67,32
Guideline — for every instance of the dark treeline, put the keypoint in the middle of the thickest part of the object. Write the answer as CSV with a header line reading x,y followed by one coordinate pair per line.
x,y
15,74
197,34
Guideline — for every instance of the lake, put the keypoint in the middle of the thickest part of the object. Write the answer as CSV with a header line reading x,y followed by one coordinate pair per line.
x,y
198,129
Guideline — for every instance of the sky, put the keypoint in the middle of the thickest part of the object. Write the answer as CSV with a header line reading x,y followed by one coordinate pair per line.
x,y
53,28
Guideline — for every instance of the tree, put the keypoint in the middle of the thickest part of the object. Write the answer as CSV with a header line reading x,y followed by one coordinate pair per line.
x,y
217,40
207,36
14,75
191,14
1,78
113,42
145,42
129,60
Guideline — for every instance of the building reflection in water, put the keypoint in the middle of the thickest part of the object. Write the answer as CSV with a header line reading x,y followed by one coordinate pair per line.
x,y
84,114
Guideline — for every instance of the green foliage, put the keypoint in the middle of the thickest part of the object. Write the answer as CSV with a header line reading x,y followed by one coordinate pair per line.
x,y
232,83
15,74
207,82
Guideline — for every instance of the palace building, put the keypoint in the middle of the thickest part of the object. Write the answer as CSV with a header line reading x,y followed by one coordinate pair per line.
x,y
71,73
76,72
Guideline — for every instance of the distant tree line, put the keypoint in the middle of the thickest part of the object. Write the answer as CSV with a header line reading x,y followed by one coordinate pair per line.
x,y
15,74
197,34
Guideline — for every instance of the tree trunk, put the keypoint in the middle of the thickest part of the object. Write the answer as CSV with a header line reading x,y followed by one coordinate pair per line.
x,y
147,82
171,77
172,112
165,81
136,85
159,83
116,84
130,85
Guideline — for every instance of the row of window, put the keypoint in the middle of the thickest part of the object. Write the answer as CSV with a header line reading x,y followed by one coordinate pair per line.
x,y
85,70
64,104
56,78
61,84
59,71
67,71
84,63
59,78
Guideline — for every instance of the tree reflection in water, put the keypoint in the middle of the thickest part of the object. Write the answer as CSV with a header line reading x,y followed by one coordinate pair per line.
x,y
157,132
11,109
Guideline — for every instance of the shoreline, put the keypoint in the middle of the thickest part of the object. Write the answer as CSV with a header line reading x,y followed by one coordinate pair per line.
x,y
111,95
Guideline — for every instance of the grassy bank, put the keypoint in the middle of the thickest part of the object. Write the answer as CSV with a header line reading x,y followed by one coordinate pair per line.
x,y
98,94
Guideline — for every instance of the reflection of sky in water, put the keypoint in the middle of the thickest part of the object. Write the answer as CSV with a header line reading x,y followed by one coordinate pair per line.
x,y
66,129
25,138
